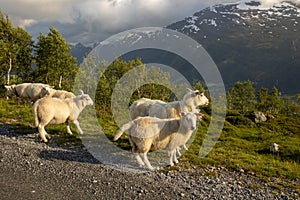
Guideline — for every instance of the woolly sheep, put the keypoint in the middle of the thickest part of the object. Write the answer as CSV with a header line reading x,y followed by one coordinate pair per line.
x,y
61,94
274,148
150,133
57,111
160,109
31,91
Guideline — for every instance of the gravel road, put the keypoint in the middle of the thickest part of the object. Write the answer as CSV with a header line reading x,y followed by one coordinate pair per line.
x,y
34,170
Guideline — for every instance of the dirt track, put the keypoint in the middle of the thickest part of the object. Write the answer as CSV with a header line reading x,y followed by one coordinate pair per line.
x,y
34,170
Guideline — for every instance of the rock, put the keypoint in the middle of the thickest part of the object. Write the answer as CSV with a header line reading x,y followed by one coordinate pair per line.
x,y
260,117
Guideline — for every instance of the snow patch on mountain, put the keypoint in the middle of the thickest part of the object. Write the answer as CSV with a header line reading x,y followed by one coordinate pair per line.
x,y
243,13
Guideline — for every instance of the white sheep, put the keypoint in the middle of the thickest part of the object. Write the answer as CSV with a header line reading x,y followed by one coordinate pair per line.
x,y
150,133
57,111
61,94
31,91
274,148
160,109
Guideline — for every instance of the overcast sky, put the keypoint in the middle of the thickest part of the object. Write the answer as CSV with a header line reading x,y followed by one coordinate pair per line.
x,y
89,21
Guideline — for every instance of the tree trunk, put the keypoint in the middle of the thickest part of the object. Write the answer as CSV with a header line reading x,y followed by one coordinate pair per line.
x,y
8,71
60,80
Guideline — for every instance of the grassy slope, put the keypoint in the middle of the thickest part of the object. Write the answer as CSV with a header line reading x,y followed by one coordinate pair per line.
x,y
239,147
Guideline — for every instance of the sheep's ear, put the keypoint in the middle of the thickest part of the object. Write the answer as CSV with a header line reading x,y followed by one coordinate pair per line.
x,y
190,90
9,87
82,93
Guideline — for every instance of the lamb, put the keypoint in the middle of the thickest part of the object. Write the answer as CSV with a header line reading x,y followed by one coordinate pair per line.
x,y
151,133
56,111
61,94
274,148
163,110
31,91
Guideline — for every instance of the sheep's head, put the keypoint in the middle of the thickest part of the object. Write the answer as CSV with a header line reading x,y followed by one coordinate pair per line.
x,y
86,99
46,90
195,98
10,90
188,120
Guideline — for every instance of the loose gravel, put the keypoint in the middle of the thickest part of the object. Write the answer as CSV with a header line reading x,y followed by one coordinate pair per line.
x,y
34,170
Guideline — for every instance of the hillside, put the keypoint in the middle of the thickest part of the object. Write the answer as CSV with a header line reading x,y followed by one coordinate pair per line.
x,y
247,41
250,42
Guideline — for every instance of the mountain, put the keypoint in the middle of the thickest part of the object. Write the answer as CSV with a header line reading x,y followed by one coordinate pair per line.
x,y
246,40
79,51
250,41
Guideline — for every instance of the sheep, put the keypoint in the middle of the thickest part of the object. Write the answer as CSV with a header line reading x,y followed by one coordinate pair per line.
x,y
61,94
31,91
274,148
151,133
163,110
160,109
56,111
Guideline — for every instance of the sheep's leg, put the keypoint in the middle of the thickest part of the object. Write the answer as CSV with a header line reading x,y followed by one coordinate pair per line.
x,y
146,161
68,128
178,151
48,136
139,159
171,158
184,147
42,133
76,122
174,156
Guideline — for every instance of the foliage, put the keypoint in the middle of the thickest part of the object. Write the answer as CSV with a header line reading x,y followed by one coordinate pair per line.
x,y
262,98
55,65
16,51
241,96
274,102
140,82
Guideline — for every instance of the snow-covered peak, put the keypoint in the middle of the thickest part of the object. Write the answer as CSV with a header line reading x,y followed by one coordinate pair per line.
x,y
244,13
275,6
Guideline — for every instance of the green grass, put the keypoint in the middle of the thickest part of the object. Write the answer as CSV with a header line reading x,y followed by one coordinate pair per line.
x,y
20,117
240,146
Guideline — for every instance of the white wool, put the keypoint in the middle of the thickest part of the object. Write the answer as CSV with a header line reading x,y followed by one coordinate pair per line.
x,y
57,111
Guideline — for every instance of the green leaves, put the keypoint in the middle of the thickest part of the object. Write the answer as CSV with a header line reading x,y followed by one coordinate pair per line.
x,y
16,50
55,65
242,97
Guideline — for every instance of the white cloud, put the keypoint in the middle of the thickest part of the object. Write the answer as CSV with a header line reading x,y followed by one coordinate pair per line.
x,y
77,19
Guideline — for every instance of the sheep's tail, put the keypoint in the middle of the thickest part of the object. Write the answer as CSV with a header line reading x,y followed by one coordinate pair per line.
x,y
35,114
123,128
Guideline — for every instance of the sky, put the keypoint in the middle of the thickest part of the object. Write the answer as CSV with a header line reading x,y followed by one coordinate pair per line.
x,y
90,21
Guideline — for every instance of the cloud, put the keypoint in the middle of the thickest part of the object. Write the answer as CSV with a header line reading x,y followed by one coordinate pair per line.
x,y
94,20
99,18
